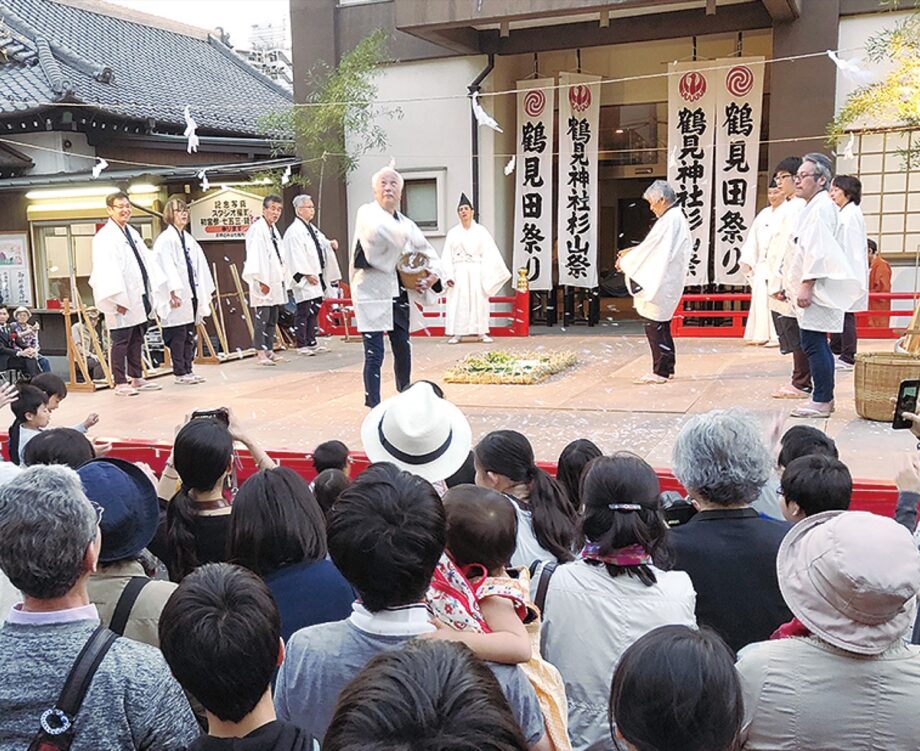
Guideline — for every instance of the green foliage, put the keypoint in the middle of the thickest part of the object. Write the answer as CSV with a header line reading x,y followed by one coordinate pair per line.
x,y
895,100
340,119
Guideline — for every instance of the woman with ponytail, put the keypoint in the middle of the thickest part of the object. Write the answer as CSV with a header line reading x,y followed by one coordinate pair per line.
x,y
547,520
618,588
198,513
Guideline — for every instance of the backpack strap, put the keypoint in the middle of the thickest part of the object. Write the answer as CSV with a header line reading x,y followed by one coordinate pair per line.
x,y
543,584
56,732
126,602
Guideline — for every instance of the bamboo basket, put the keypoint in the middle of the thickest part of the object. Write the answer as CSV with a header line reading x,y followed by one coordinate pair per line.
x,y
412,266
877,377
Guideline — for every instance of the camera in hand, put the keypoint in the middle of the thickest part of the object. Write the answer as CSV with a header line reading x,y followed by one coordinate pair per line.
x,y
677,510
907,402
220,413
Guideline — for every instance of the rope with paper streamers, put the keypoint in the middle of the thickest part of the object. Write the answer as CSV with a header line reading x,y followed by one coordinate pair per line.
x,y
845,66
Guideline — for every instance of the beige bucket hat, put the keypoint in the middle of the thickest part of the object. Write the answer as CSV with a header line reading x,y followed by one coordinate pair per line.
x,y
851,578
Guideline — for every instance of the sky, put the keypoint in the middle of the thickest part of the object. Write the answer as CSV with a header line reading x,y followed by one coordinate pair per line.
x,y
234,16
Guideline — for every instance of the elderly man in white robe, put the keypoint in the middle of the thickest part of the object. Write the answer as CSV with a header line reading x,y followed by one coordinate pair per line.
x,y
759,328
382,303
655,271
473,270
128,287
266,276
818,278
846,193
309,258
184,264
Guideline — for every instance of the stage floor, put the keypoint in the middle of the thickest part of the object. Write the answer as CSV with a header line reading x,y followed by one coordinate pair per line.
x,y
311,399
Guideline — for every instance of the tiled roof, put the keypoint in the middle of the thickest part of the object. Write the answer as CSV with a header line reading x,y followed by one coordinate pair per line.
x,y
130,65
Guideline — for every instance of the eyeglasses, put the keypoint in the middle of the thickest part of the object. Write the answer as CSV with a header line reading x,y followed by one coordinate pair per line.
x,y
784,176
802,175
99,511
121,206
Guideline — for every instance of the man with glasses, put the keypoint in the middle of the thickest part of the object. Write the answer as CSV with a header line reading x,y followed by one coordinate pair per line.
x,y
784,320
818,279
51,545
128,290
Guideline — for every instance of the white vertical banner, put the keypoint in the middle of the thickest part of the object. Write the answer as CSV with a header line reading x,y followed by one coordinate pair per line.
x,y
691,129
739,98
533,213
579,115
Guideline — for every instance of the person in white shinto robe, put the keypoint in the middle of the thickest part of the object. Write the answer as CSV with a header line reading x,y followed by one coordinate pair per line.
x,y
185,265
473,270
759,328
846,193
819,279
655,271
128,287
309,257
381,303
266,276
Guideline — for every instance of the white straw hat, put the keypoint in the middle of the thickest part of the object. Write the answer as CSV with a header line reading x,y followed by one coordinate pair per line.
x,y
419,433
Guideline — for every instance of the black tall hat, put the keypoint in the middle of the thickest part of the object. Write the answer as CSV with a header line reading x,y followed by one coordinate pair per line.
x,y
464,201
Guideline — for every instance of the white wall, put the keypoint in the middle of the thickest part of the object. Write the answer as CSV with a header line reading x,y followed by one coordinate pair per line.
x,y
432,134
48,163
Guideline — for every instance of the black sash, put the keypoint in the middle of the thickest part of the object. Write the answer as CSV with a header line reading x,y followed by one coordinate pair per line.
x,y
137,257
320,252
191,276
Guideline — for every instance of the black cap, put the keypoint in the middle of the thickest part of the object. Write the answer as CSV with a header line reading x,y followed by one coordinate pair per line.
x,y
464,201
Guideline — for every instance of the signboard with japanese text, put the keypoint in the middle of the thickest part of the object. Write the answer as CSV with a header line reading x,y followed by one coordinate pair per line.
x,y
691,130
533,220
15,280
579,113
739,94
224,215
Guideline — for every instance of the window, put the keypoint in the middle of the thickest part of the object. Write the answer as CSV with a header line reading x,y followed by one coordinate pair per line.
x,y
890,192
628,134
422,199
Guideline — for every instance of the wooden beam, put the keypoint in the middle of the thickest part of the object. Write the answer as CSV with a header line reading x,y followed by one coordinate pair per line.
x,y
783,10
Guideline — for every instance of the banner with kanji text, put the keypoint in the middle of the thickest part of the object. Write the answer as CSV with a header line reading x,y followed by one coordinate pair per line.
x,y
579,115
739,97
533,213
691,130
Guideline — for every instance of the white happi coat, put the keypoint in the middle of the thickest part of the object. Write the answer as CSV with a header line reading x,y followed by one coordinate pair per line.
x,y
116,278
759,326
263,266
384,237
780,245
472,261
301,257
851,234
816,254
171,257
659,265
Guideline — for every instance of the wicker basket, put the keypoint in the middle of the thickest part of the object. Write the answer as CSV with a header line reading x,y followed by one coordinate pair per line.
x,y
878,377
412,266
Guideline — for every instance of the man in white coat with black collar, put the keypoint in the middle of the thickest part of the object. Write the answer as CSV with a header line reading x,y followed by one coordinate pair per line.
x,y
128,287
310,260
656,271
266,276
382,304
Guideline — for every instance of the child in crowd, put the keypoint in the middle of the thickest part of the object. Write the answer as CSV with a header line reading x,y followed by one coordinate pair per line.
x,y
812,484
32,415
327,487
496,619
54,386
25,337
331,455
572,462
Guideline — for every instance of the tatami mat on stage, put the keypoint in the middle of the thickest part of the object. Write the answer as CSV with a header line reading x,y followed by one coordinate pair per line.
x,y
310,399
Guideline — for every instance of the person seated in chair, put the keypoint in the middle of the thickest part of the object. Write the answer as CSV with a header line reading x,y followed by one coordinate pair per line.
x,y
10,357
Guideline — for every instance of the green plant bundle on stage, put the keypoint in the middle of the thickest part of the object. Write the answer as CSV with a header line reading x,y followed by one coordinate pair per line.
x,y
509,367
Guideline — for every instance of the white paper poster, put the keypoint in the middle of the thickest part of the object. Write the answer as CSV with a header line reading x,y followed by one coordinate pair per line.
x,y
579,114
533,220
739,95
224,215
691,130
15,280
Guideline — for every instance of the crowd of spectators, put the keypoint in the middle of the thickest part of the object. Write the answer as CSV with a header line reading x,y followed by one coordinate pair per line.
x,y
453,595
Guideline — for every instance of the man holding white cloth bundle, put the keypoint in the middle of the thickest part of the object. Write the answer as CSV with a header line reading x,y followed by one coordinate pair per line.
x,y
382,303
655,272
819,279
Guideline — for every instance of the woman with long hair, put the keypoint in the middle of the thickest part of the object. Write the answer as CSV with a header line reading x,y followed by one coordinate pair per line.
x,y
547,519
617,589
198,513
278,531
571,465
